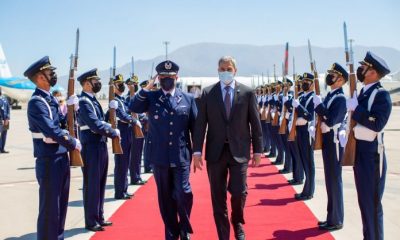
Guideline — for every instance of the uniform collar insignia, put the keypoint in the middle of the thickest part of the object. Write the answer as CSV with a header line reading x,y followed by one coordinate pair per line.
x,y
371,119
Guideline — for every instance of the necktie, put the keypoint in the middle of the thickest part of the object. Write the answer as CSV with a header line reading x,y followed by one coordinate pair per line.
x,y
227,101
168,95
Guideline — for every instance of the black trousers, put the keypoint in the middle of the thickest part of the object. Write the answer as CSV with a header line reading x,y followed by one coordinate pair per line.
x,y
237,187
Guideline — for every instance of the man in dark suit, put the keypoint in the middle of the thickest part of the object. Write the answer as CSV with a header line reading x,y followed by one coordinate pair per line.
x,y
172,115
228,112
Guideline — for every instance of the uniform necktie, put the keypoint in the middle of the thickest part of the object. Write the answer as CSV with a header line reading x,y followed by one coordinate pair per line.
x,y
227,101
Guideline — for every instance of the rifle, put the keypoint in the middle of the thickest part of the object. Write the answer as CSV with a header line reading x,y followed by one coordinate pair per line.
x,y
136,129
74,155
263,117
349,154
318,130
292,131
116,143
283,127
275,120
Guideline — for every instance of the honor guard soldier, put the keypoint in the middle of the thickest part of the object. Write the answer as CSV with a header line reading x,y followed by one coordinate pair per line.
x,y
297,165
4,121
305,112
332,110
172,115
263,111
93,134
371,109
276,102
125,121
145,119
288,165
137,143
273,149
50,145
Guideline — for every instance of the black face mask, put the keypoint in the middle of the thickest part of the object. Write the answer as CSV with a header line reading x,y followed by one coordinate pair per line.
x,y
136,87
52,80
329,80
305,86
167,84
121,88
96,87
360,74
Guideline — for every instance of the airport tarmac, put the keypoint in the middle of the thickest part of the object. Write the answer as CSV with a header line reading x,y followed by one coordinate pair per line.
x,y
19,189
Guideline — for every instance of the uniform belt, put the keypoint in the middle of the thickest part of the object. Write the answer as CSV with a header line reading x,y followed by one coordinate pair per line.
x,y
86,127
37,135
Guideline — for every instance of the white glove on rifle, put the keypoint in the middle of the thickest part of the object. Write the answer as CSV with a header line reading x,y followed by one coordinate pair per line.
x,y
342,138
113,104
138,124
284,99
317,100
118,132
295,103
352,103
276,98
73,100
78,145
311,130
269,97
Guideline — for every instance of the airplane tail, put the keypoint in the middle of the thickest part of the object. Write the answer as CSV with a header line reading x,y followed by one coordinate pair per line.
x,y
4,69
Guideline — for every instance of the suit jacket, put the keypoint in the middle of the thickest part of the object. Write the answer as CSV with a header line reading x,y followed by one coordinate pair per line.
x,y
242,128
171,123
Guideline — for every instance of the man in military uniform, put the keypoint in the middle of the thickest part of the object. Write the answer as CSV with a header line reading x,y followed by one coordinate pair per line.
x,y
305,112
50,146
288,165
298,171
145,119
332,111
172,115
276,102
125,121
93,134
263,111
4,121
273,148
371,111
137,142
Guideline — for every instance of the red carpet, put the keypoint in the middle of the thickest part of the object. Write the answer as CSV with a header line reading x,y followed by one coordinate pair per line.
x,y
270,213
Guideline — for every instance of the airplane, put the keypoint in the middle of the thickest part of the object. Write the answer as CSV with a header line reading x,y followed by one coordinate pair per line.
x,y
17,89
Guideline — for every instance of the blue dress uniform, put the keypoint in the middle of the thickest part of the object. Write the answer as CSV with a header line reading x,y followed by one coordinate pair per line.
x,y
297,165
273,148
171,121
93,135
332,112
144,120
4,115
266,139
305,113
50,146
370,162
122,161
277,105
288,165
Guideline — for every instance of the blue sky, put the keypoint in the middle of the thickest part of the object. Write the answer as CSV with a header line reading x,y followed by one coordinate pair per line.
x,y
31,29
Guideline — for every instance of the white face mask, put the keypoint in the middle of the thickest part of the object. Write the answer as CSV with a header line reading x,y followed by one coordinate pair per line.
x,y
226,77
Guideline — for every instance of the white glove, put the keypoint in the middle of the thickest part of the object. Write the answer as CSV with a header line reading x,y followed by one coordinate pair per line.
x,y
276,98
352,103
73,100
138,124
113,104
311,130
317,100
118,132
78,145
269,98
284,99
342,138
295,103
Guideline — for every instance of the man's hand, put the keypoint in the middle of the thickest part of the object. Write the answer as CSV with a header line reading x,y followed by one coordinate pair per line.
x,y
138,124
311,131
73,100
197,162
295,103
113,104
352,103
256,160
78,145
150,85
317,100
342,138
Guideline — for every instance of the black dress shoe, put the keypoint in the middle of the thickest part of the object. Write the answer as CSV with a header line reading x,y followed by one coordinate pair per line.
x,y
296,183
148,171
284,171
271,155
139,182
95,228
184,235
320,223
4,151
239,232
124,197
298,196
328,227
106,223
129,194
